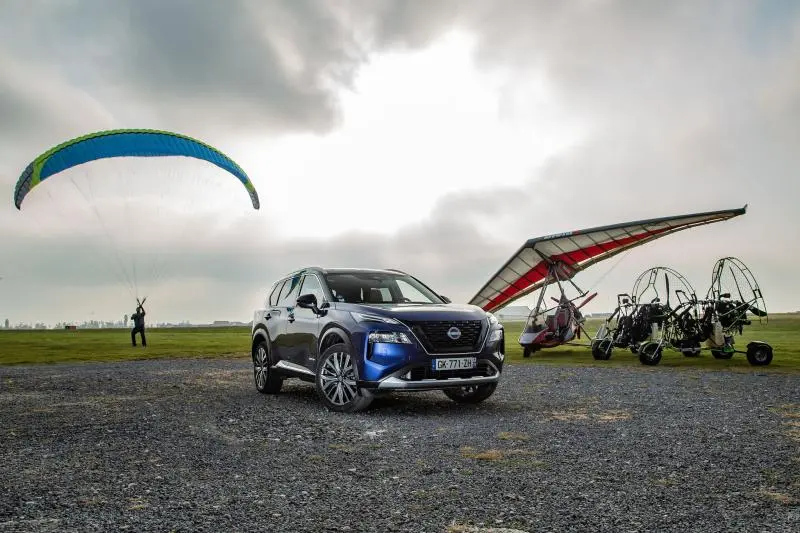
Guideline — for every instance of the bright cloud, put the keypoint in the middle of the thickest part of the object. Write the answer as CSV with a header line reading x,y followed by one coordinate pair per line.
x,y
417,126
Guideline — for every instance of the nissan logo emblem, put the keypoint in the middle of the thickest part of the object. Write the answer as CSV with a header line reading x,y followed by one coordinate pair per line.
x,y
454,333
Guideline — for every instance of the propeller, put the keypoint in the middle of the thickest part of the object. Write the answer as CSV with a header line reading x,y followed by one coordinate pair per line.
x,y
587,300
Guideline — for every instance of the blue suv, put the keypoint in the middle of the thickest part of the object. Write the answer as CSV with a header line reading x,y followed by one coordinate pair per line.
x,y
360,333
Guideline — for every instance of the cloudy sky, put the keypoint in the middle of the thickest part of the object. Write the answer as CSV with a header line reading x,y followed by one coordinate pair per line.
x,y
433,136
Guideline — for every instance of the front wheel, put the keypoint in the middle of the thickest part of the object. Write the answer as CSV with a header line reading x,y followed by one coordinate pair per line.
x,y
336,381
650,353
601,349
470,393
527,351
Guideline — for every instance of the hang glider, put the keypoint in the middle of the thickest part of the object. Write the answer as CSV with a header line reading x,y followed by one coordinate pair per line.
x,y
527,270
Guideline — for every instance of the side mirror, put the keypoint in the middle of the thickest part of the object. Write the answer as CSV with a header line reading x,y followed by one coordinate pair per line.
x,y
308,301
446,299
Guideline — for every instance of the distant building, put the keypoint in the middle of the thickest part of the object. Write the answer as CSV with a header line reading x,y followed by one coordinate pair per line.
x,y
226,323
514,312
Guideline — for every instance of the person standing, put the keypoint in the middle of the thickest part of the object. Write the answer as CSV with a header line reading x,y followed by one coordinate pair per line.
x,y
138,325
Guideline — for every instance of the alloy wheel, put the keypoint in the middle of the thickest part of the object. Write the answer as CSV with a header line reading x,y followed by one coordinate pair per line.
x,y
261,367
338,378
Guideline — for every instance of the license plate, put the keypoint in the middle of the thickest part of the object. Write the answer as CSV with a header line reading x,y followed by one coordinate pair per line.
x,y
455,363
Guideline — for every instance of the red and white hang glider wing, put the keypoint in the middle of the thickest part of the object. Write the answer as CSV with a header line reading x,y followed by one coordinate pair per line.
x,y
527,269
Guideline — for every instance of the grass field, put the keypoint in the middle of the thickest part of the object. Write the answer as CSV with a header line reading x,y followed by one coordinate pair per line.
x,y
58,346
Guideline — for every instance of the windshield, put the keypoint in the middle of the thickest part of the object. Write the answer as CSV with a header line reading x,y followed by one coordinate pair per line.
x,y
378,288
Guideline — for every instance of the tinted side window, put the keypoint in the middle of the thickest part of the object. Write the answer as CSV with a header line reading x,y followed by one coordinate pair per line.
x,y
289,292
276,290
311,285
283,291
274,298
345,288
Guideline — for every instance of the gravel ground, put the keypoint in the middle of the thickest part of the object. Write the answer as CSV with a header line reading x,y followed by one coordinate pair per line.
x,y
189,445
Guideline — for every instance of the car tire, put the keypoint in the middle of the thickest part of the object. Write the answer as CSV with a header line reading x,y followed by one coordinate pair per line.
x,y
470,394
266,378
336,381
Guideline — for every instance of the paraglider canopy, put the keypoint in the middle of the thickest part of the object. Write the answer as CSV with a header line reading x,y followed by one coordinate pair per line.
x,y
123,143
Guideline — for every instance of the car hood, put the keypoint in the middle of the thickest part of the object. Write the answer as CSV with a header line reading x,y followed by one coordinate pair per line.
x,y
415,312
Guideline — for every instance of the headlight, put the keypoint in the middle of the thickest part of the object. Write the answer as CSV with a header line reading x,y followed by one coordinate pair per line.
x,y
492,319
361,317
495,335
396,337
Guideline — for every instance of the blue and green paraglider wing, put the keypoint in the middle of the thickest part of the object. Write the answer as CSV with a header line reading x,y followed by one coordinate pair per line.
x,y
124,143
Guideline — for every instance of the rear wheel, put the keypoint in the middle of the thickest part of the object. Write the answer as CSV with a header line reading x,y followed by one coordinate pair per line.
x,y
336,381
759,354
470,393
267,379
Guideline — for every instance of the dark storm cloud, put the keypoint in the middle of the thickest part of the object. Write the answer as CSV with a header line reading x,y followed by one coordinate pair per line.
x,y
224,60
269,66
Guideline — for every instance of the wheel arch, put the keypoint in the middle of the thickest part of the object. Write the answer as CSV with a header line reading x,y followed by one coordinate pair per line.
x,y
259,334
336,334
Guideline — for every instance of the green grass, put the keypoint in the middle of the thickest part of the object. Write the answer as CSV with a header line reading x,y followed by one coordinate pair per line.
x,y
782,332
58,346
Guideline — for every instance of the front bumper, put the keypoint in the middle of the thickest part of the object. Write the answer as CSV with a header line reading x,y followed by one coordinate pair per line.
x,y
419,378
387,366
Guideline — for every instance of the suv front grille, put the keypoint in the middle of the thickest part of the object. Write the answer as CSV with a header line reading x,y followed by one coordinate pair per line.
x,y
433,335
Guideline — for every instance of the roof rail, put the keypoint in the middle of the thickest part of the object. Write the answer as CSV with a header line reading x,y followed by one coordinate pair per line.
x,y
395,270
301,270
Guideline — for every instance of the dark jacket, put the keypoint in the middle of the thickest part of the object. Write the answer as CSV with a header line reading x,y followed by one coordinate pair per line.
x,y
138,318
